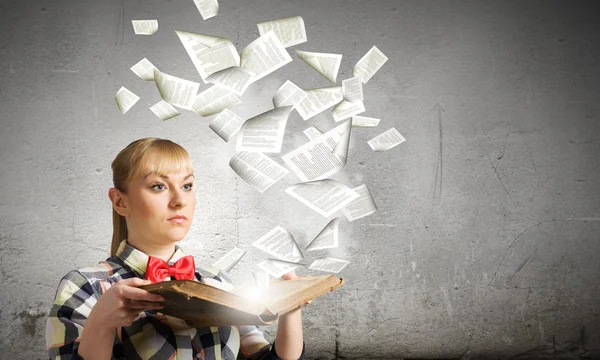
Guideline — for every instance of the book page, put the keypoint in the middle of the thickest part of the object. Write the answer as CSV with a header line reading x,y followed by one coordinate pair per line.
x,y
226,124
318,100
290,31
264,132
163,110
288,94
326,64
261,279
318,159
214,100
347,109
276,268
280,243
352,89
229,260
144,27
369,64
209,54
312,133
234,79
327,238
144,69
362,206
387,140
324,196
125,99
263,56
257,169
364,121
176,91
207,8
329,264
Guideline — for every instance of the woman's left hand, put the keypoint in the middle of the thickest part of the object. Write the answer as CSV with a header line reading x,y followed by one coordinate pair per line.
x,y
290,275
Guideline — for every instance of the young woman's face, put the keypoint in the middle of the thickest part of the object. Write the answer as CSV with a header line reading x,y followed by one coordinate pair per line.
x,y
154,201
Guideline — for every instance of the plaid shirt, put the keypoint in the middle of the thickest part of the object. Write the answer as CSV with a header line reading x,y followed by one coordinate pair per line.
x,y
152,335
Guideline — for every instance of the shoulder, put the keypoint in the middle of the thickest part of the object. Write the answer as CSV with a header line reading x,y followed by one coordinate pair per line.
x,y
92,278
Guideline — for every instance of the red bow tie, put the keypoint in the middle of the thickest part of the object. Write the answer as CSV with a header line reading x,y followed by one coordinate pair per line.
x,y
183,269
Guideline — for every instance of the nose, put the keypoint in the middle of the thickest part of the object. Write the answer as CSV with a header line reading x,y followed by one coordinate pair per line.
x,y
178,199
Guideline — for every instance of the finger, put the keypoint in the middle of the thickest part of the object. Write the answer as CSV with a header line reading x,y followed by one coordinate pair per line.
x,y
289,275
133,293
134,281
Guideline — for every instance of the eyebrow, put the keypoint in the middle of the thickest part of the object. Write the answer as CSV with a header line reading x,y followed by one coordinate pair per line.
x,y
166,177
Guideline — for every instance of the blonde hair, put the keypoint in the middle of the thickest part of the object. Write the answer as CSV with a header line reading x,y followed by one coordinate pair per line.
x,y
138,159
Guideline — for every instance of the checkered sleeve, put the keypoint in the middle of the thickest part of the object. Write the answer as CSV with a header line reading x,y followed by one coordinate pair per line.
x,y
72,305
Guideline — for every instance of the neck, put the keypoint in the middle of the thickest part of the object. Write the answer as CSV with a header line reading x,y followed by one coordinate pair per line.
x,y
164,252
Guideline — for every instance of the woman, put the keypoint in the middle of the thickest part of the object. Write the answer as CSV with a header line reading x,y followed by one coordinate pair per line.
x,y
100,313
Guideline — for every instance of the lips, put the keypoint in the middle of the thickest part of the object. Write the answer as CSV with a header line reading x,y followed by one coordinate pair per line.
x,y
178,218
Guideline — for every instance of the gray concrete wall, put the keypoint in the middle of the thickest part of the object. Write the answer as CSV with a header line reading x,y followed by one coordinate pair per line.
x,y
487,237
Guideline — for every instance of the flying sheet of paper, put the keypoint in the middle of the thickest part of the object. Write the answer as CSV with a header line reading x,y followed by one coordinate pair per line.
x,y
207,8
326,64
276,268
214,100
324,196
364,121
280,243
320,157
226,124
329,264
125,99
362,206
257,169
144,27
263,56
234,79
318,100
144,69
209,54
261,279
290,31
264,132
346,109
288,94
327,238
164,110
386,140
369,64
352,89
176,91
227,262
312,133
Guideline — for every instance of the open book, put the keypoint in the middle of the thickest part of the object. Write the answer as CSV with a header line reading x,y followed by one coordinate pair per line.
x,y
203,305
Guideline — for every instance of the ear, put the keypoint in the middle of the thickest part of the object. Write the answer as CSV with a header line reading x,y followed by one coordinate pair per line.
x,y
119,201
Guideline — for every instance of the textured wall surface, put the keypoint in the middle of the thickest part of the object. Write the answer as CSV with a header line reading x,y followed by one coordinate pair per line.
x,y
487,237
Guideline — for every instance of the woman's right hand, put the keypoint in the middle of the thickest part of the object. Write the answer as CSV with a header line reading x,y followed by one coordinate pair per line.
x,y
122,302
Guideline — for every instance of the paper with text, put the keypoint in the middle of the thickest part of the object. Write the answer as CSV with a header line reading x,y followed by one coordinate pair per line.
x,y
125,99
144,27
320,157
318,100
369,64
226,124
176,91
386,140
346,109
207,8
234,79
163,110
264,132
288,94
324,196
144,69
264,55
290,31
257,169
329,264
352,89
214,100
229,260
327,238
362,206
276,268
364,121
312,133
209,54
280,243
326,64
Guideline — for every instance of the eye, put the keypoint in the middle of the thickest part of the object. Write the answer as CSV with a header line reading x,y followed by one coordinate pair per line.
x,y
190,186
154,186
